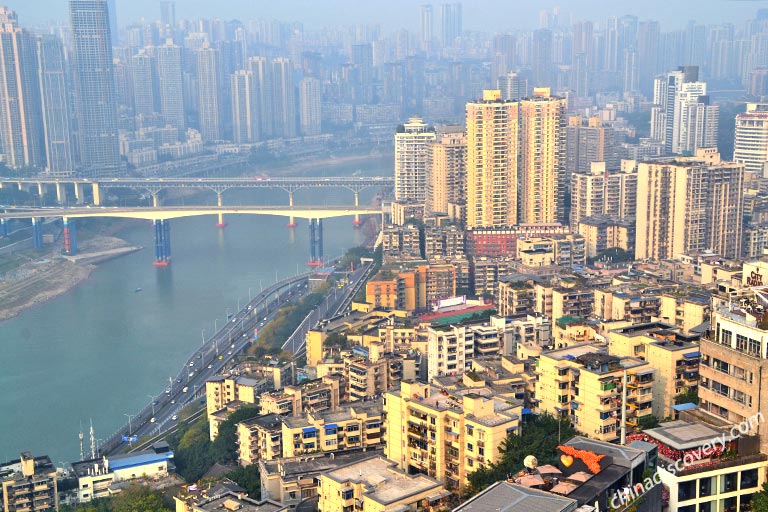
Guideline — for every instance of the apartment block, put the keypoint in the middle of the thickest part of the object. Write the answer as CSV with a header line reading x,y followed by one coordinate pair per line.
x,y
674,355
515,298
604,191
376,485
446,435
602,232
486,272
259,438
446,171
584,384
687,206
411,289
564,251
684,311
221,390
313,396
411,149
28,484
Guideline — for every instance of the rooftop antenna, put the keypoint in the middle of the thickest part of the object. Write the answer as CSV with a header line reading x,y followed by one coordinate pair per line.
x,y
82,451
93,442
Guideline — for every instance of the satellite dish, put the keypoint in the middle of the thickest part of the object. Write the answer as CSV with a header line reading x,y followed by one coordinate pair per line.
x,y
530,462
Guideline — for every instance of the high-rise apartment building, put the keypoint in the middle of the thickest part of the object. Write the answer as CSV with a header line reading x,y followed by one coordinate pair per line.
x,y
588,141
750,145
411,145
262,70
446,171
168,15
143,84
603,192
683,118
426,34
209,94
689,205
28,484
542,158
450,23
513,86
284,100
492,161
310,96
245,107
170,85
21,125
94,86
541,58
54,95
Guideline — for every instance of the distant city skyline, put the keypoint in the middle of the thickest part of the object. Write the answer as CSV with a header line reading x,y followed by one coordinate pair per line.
x,y
402,13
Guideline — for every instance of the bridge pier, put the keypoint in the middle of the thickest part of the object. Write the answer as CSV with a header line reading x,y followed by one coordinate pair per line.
x,y
162,229
4,230
70,237
79,195
37,233
316,243
291,220
61,194
40,189
221,222
357,222
96,195
156,199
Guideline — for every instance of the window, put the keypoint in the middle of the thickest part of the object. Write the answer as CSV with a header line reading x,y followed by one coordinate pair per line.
x,y
354,427
309,446
347,494
748,479
353,439
470,430
470,447
292,495
728,483
726,337
480,451
330,442
686,491
705,487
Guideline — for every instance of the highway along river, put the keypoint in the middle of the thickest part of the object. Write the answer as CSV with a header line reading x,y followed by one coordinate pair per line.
x,y
102,350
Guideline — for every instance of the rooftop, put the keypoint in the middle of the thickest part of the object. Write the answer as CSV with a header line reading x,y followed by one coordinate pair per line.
x,y
683,435
508,497
300,467
384,481
231,502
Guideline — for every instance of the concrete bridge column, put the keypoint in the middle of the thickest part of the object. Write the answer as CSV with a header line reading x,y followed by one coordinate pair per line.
x,y
156,199
70,237
162,230
357,222
4,228
221,222
96,195
61,194
291,220
315,243
40,189
79,196
37,233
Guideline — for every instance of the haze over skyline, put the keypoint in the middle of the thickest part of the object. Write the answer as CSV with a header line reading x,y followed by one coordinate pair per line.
x,y
403,13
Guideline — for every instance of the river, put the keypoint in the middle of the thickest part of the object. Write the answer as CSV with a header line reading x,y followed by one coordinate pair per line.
x,y
102,350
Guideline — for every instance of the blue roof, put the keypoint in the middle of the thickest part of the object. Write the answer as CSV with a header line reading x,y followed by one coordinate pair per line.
x,y
142,459
684,407
309,429
692,354
330,426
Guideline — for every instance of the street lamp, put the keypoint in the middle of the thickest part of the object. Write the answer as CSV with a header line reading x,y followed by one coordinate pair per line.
x,y
130,428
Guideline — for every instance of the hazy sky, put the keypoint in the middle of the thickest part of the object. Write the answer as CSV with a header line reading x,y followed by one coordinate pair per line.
x,y
492,15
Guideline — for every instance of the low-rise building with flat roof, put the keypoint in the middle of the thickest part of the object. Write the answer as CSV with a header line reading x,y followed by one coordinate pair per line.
x,y
28,484
504,496
375,485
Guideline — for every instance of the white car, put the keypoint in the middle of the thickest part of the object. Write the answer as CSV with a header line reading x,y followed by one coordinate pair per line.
x,y
174,417
152,420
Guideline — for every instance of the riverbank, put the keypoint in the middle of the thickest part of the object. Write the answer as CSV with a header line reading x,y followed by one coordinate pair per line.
x,y
31,279
301,168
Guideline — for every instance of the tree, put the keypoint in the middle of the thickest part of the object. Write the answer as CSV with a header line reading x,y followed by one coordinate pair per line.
x,y
248,478
648,422
540,437
689,396
760,500
135,498
224,447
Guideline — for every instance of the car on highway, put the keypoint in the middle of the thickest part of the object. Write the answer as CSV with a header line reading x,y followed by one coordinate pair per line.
x,y
192,364
229,353
210,366
174,417
173,401
152,420
185,389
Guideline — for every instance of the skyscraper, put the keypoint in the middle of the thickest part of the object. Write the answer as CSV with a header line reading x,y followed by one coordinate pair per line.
x,y
94,86
683,118
513,86
170,86
143,84
411,142
245,107
284,98
542,158
208,88
168,15
450,23
262,70
113,28
21,126
689,205
309,106
492,161
54,95
750,145
589,141
427,23
541,58
446,171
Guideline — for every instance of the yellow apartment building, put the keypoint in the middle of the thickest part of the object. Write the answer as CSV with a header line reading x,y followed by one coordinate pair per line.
x,y
315,395
673,355
583,383
446,435
221,390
